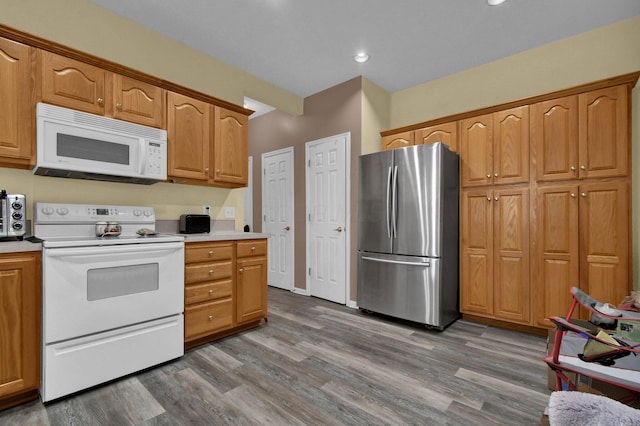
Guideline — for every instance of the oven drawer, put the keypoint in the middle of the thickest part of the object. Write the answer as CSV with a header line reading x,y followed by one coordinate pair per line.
x,y
204,252
207,271
251,248
206,318
196,293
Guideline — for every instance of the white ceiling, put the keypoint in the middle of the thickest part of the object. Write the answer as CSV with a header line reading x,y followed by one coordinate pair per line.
x,y
305,46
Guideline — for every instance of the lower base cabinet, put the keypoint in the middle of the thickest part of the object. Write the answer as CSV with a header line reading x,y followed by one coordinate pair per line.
x,y
20,292
225,288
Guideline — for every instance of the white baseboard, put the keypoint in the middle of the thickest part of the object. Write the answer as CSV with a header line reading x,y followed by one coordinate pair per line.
x,y
302,291
352,304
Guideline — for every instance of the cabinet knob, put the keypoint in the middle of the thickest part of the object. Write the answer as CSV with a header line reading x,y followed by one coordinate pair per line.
x,y
583,167
495,174
210,291
573,168
119,105
210,317
583,194
573,195
488,175
496,198
210,252
253,248
211,272
100,101
218,171
206,170
241,270
488,198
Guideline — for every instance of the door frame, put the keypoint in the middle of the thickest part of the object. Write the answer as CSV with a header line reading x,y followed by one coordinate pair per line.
x,y
288,150
347,212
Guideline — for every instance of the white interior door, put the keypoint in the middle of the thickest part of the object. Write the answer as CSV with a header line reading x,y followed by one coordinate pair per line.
x,y
277,215
248,199
327,217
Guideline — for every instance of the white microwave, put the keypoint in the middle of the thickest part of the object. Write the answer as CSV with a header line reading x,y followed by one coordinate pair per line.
x,y
79,145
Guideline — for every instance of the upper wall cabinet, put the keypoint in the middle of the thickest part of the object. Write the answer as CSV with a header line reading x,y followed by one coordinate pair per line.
x,y
582,136
231,148
495,148
398,140
77,85
207,145
446,133
17,109
189,134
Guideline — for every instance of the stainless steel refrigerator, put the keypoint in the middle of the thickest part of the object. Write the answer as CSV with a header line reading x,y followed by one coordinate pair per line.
x,y
408,234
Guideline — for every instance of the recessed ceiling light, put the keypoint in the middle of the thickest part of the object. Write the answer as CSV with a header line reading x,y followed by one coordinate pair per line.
x,y
361,57
495,2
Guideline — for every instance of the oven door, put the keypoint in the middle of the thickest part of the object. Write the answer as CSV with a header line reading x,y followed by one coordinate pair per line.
x,y
93,289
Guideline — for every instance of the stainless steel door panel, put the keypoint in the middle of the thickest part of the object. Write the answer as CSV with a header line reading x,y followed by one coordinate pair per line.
x,y
400,286
374,198
418,201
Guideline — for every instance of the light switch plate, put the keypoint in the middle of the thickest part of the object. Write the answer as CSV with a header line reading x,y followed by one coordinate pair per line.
x,y
230,212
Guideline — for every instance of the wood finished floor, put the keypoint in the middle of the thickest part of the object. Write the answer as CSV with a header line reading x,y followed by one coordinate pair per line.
x,y
319,363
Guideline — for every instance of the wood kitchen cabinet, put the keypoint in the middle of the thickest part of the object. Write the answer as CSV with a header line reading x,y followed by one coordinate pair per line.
x,y
74,84
398,140
494,262
582,136
207,145
17,108
446,133
251,280
495,148
189,135
19,327
208,294
582,240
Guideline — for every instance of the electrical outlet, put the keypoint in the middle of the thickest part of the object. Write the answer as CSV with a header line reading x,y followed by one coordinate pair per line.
x,y
230,212
206,209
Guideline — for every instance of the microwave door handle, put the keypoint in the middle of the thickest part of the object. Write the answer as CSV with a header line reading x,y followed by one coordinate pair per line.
x,y
142,157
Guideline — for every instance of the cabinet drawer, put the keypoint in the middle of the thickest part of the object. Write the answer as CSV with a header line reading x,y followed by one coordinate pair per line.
x,y
207,318
196,293
251,248
204,252
207,271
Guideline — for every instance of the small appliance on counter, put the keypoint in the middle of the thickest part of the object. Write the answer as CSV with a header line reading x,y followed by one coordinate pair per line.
x,y
12,215
195,223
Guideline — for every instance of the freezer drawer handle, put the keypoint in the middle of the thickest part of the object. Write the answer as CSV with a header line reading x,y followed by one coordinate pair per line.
x,y
397,262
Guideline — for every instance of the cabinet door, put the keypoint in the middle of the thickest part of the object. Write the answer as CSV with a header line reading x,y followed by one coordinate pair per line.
x,y
138,102
604,132
604,241
17,113
476,150
399,140
189,136
446,133
511,146
19,324
511,255
251,294
554,138
72,84
555,252
231,149
476,263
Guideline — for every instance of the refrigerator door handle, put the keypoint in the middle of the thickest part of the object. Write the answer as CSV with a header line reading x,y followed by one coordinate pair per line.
x,y
388,199
394,203
397,262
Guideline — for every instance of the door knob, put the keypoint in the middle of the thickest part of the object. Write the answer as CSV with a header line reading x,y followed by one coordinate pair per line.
x,y
286,228
339,229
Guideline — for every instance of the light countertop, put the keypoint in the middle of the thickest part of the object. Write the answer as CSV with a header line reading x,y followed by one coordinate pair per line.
x,y
223,236
18,246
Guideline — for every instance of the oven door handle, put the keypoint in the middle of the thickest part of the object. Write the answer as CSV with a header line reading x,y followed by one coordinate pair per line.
x,y
114,249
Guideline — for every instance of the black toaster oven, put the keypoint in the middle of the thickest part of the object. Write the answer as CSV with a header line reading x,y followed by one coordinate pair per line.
x,y
195,223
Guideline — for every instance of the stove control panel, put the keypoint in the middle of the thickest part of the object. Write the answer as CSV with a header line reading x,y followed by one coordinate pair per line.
x,y
49,213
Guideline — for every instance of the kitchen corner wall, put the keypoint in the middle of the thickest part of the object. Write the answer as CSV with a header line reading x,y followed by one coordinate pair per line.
x,y
330,112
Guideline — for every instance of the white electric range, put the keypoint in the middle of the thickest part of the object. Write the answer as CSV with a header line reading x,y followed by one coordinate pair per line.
x,y
112,305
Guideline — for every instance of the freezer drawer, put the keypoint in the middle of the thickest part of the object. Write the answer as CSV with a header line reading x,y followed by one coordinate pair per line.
x,y
405,287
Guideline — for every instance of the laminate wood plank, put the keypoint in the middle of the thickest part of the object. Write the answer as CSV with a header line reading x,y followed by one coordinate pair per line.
x,y
319,363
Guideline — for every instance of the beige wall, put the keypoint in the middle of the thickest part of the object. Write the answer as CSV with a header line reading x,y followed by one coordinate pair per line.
x,y
606,52
84,26
331,112
375,115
